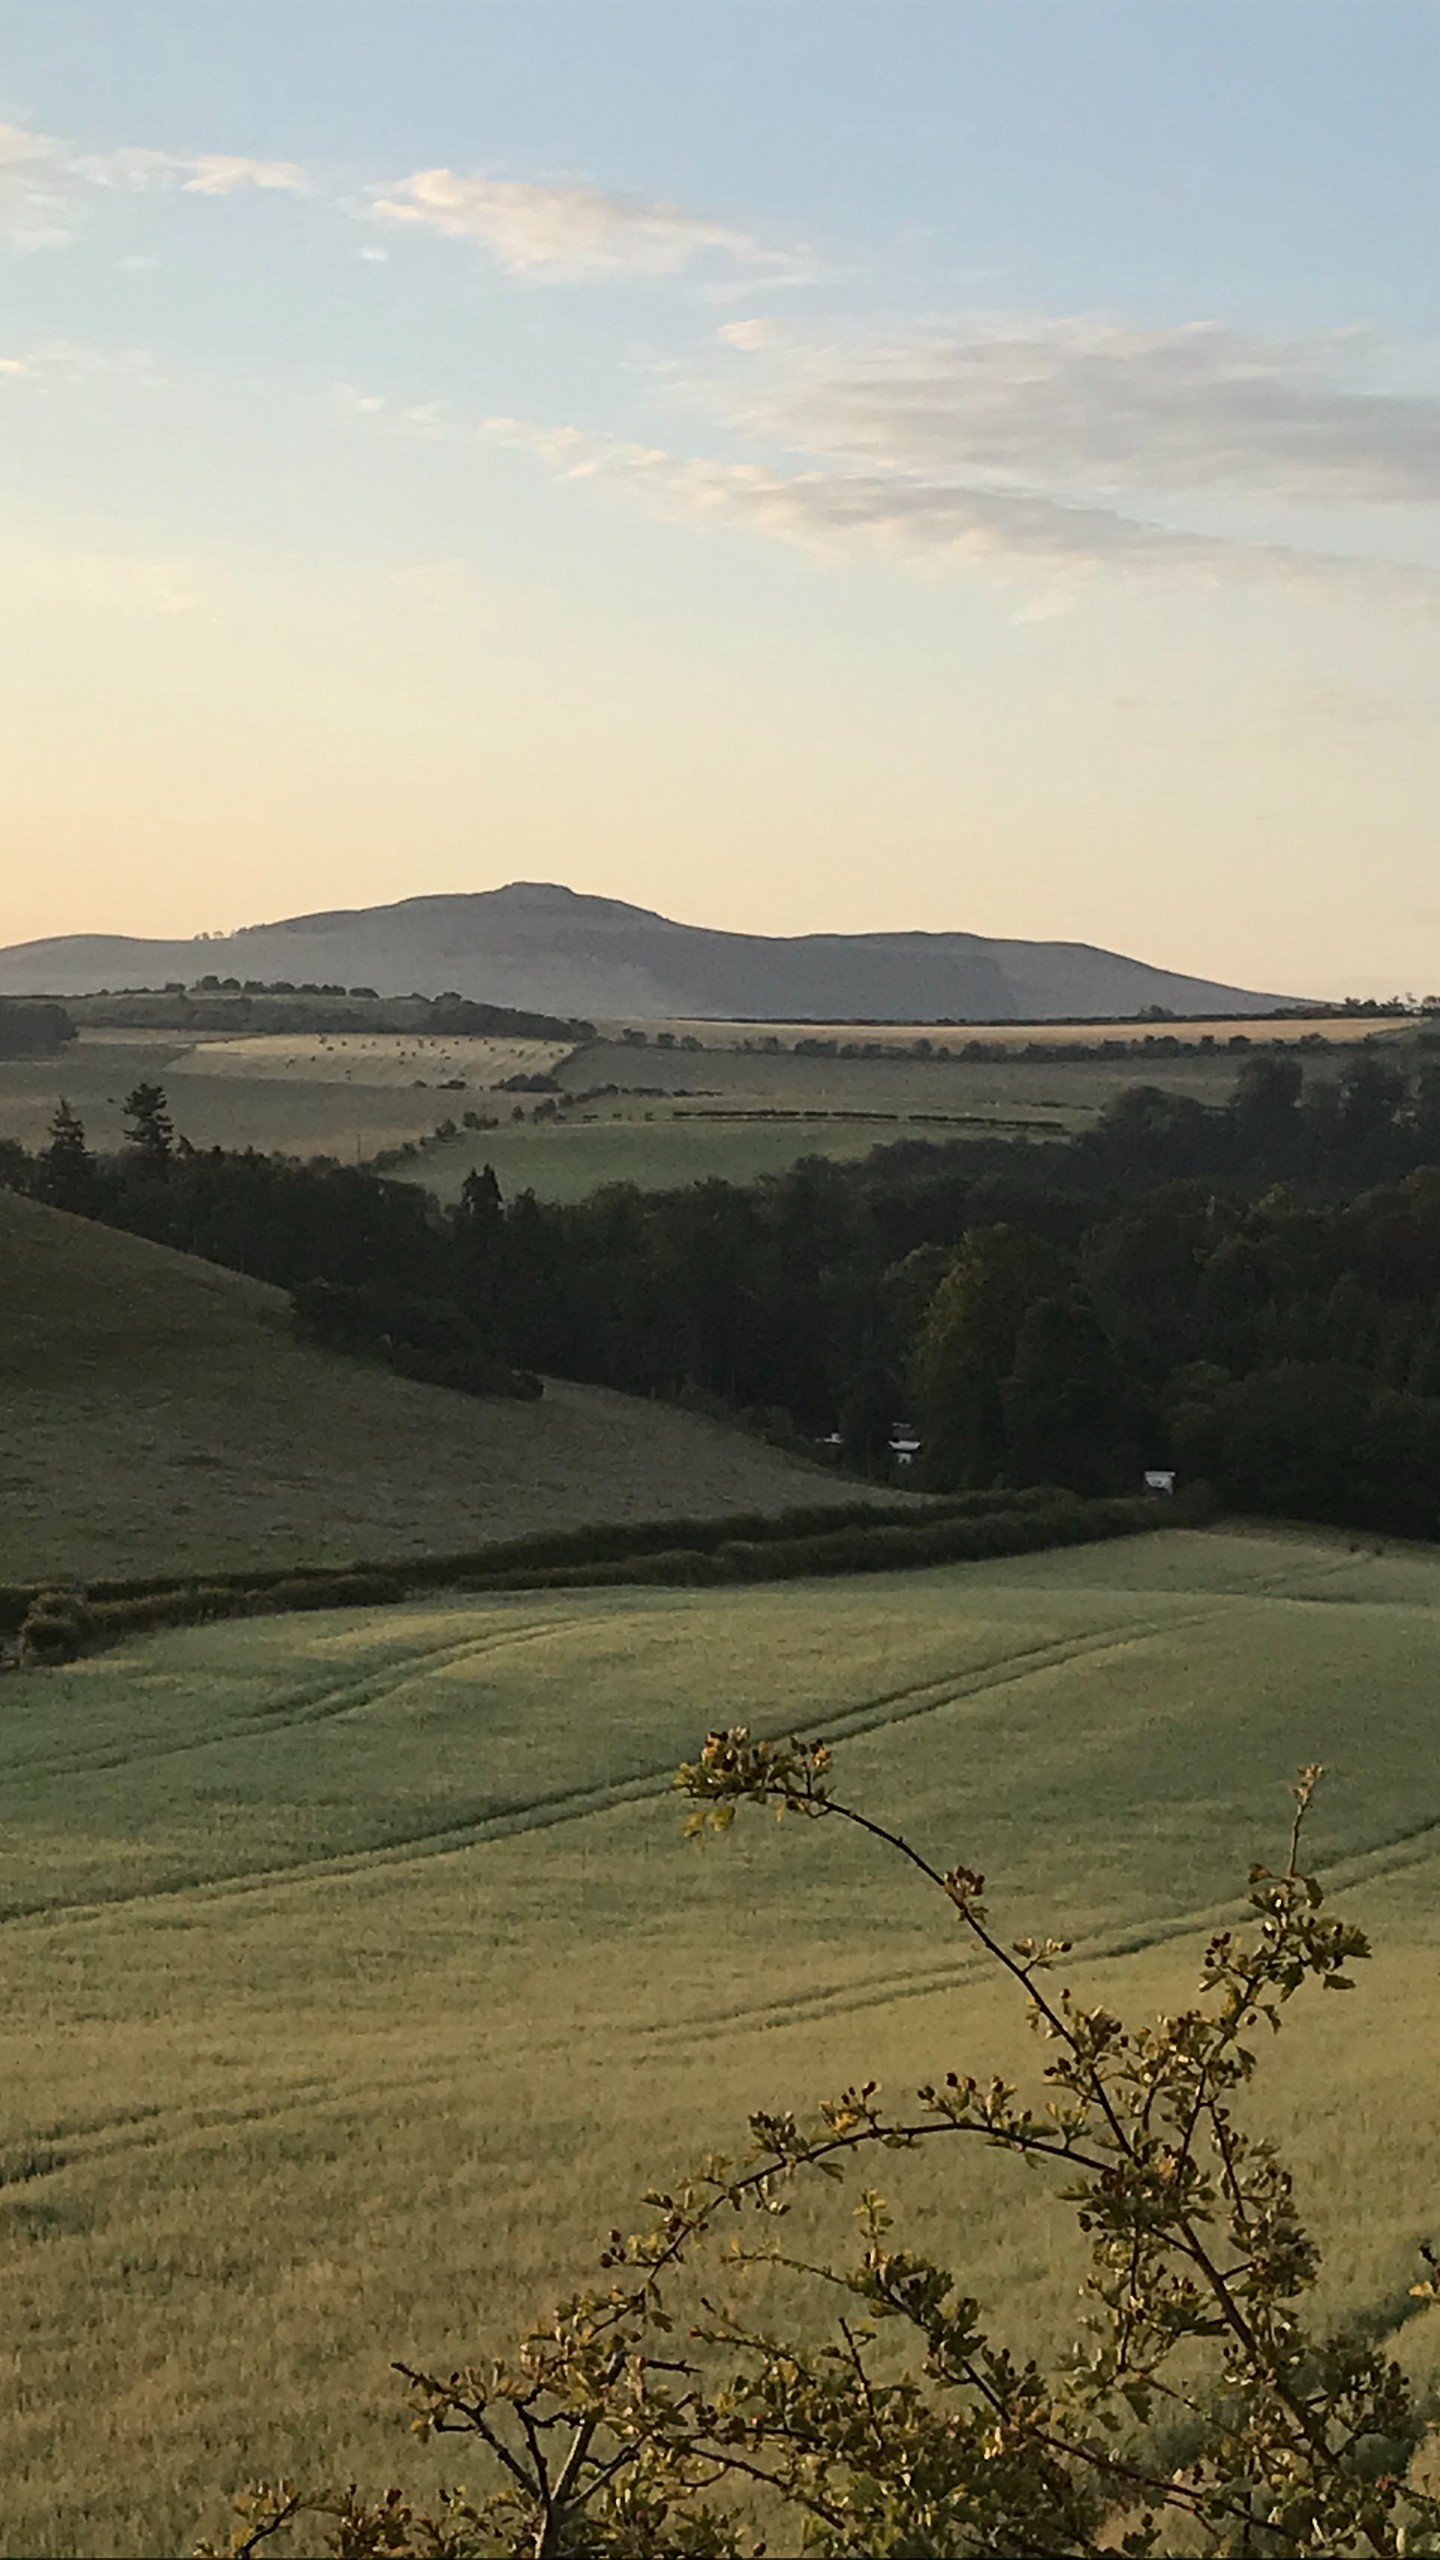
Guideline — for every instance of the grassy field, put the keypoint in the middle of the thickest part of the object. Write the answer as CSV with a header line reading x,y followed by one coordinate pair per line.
x,y
158,1414
356,1977
568,1159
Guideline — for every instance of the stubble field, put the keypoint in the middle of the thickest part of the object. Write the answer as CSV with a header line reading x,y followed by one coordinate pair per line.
x,y
356,1978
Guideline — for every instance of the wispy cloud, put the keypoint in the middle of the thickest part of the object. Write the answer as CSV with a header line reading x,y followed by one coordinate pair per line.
x,y
836,514
1061,446
532,228
535,229
197,173
1089,402
47,186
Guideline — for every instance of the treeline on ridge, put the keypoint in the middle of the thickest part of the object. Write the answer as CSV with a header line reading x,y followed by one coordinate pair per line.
x,y
1248,1293
232,1005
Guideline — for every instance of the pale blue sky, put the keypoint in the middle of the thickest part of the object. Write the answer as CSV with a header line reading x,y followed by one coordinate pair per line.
x,y
861,464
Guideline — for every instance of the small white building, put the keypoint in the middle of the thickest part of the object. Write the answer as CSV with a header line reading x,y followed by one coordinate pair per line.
x,y
1159,1479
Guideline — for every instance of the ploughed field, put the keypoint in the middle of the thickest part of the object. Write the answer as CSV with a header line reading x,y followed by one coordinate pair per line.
x,y
357,1979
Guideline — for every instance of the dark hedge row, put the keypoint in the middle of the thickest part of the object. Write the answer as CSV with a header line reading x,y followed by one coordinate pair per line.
x,y
595,1542
744,1547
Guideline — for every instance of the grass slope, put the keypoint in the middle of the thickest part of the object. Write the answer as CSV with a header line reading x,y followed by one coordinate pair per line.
x,y
157,1414
355,1978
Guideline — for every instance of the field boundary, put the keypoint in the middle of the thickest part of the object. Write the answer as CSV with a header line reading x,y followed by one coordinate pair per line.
x,y
53,1623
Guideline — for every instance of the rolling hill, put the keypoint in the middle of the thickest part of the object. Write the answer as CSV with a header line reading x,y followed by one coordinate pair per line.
x,y
157,1413
538,945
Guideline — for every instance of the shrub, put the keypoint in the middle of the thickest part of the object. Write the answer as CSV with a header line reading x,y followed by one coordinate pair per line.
x,y
57,1627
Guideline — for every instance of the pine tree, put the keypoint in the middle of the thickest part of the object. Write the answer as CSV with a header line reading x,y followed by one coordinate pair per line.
x,y
149,1128
67,1173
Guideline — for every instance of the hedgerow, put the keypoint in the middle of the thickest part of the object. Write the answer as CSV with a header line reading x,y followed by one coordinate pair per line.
x,y
741,1547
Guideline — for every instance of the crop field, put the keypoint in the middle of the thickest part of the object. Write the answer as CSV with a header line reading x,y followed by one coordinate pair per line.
x,y
356,1978
159,1415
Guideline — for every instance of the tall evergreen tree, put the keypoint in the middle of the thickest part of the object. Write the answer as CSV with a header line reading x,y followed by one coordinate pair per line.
x,y
149,1128
66,1173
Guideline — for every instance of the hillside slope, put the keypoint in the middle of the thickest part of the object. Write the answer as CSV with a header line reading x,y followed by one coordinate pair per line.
x,y
156,1412
538,945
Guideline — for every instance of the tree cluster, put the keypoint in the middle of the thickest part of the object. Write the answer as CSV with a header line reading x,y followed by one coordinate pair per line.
x,y
34,1027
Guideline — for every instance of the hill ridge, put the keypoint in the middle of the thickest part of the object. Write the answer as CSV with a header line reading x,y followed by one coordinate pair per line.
x,y
541,945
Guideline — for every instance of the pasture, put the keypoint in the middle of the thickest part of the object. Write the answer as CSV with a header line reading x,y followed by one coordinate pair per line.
x,y
356,1978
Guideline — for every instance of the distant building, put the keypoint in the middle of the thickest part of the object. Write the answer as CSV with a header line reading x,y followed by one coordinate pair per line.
x,y
904,1443
1159,1479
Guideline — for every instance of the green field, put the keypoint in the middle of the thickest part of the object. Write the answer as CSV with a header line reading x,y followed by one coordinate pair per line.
x,y
356,1976
568,1159
159,1415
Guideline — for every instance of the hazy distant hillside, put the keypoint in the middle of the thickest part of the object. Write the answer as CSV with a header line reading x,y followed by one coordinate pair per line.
x,y
541,946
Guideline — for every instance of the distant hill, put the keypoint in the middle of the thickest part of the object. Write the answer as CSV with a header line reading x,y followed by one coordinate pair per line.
x,y
158,1414
536,945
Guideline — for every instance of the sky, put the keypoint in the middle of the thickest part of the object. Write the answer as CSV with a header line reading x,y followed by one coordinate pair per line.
x,y
804,465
